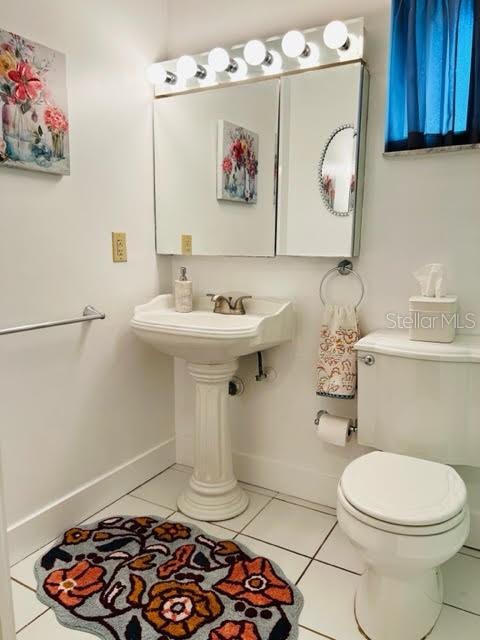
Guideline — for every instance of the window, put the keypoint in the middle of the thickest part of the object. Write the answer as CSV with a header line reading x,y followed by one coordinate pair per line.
x,y
434,80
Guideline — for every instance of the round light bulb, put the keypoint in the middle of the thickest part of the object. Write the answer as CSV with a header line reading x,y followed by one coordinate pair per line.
x,y
242,70
276,63
187,67
335,35
219,59
255,53
294,44
156,73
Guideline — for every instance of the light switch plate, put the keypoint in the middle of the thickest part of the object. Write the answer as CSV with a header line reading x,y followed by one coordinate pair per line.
x,y
119,246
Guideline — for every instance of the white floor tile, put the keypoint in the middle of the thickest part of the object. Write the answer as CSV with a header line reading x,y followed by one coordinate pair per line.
x,y
307,503
456,624
338,550
292,527
26,606
329,596
210,528
23,570
256,504
47,628
130,506
461,576
306,634
234,525
164,489
291,564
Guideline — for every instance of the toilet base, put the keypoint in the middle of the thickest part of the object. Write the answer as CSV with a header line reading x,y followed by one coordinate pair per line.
x,y
402,607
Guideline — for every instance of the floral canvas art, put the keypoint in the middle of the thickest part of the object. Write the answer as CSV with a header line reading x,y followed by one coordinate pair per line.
x,y
237,163
33,100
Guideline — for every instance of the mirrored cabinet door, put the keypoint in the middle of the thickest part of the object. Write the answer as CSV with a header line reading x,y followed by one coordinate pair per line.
x,y
215,160
322,123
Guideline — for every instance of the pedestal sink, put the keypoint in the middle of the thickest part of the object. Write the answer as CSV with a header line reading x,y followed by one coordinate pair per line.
x,y
211,343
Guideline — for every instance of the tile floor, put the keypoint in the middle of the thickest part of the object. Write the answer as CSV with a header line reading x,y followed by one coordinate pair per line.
x,y
302,537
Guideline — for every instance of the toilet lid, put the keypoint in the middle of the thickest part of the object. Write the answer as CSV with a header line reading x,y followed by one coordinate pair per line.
x,y
403,490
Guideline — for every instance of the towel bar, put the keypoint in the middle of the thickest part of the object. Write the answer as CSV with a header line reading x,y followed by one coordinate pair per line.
x,y
89,314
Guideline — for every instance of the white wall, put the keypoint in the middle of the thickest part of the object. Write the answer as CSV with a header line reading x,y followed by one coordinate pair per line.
x,y
416,210
77,402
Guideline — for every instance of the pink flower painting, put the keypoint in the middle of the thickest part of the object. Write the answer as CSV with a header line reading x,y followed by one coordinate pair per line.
x,y
26,83
33,106
237,163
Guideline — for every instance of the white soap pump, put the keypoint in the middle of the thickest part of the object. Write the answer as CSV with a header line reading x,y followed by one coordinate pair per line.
x,y
183,292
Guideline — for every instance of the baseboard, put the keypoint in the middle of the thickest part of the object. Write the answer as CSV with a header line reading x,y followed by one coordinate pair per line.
x,y
303,482
473,539
38,529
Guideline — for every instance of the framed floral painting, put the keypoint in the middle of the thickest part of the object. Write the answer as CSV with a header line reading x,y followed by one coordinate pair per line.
x,y
237,163
33,101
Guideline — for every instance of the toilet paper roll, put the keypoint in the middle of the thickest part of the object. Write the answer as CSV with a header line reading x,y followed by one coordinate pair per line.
x,y
333,429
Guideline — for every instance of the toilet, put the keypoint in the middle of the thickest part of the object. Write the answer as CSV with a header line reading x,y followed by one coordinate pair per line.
x,y
402,507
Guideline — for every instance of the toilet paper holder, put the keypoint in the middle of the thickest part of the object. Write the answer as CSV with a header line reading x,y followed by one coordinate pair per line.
x,y
353,428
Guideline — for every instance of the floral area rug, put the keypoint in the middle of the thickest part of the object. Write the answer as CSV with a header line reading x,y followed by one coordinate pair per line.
x,y
142,578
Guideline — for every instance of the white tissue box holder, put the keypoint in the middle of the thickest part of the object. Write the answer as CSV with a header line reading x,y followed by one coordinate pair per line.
x,y
433,319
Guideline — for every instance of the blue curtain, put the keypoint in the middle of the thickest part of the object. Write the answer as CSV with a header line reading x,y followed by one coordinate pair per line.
x,y
434,80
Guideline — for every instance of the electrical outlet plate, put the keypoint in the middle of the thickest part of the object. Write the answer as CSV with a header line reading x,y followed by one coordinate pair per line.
x,y
119,246
186,245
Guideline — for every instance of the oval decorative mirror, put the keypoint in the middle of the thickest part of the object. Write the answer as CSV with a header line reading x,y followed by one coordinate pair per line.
x,y
337,169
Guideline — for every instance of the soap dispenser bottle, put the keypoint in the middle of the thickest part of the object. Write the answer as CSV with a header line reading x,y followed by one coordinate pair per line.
x,y
183,292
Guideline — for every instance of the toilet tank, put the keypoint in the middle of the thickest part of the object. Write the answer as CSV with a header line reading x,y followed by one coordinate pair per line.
x,y
420,398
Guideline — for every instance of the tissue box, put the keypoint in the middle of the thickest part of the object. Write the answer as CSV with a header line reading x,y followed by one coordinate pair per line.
x,y
433,319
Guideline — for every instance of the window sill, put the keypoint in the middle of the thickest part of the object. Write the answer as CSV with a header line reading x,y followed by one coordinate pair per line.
x,y
429,150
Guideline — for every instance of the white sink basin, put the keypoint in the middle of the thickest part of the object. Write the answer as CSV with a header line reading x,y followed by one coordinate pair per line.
x,y
206,337
212,344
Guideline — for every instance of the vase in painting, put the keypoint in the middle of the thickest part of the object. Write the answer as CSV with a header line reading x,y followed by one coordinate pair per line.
x,y
58,144
18,132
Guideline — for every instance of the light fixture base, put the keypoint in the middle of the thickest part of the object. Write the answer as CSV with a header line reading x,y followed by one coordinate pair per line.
x,y
268,59
232,67
201,72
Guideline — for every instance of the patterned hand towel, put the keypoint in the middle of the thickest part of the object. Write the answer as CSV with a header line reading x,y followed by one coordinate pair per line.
x,y
337,361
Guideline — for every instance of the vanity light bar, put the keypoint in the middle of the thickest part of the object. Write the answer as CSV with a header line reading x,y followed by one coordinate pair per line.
x,y
337,42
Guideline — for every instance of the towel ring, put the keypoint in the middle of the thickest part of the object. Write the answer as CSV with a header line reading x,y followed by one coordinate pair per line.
x,y
344,268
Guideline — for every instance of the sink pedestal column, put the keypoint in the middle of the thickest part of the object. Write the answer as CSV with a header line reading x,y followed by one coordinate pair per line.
x,y
213,492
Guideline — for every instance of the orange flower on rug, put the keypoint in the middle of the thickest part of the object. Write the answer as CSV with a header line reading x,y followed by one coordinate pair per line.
x,y
127,578
71,587
255,582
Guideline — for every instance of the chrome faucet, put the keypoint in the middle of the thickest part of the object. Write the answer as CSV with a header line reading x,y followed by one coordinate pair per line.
x,y
226,304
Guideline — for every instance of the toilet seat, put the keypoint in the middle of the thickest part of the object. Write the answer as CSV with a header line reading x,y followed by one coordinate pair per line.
x,y
405,530
403,495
